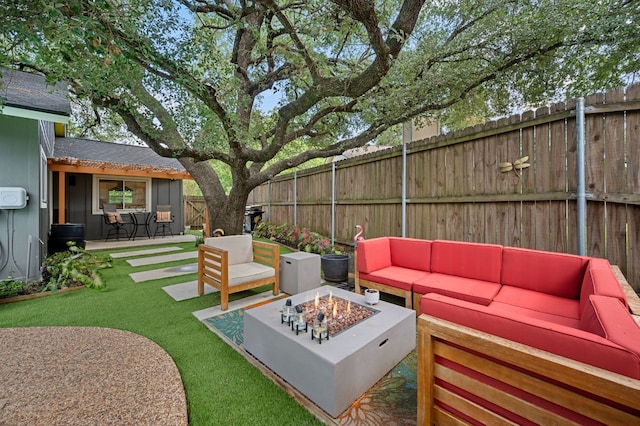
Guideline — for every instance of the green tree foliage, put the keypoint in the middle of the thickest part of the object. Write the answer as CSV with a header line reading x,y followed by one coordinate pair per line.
x,y
191,77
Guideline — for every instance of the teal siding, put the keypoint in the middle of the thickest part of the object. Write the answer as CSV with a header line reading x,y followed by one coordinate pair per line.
x,y
20,230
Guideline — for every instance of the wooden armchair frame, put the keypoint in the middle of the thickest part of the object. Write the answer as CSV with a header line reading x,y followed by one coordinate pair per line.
x,y
213,270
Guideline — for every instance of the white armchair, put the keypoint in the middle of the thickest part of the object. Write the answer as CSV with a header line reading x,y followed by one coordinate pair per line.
x,y
237,263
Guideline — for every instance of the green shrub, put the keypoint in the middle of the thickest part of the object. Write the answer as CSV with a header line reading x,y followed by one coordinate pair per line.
x,y
10,287
293,236
73,268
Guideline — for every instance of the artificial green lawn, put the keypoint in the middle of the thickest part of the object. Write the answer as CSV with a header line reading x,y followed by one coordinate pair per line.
x,y
222,388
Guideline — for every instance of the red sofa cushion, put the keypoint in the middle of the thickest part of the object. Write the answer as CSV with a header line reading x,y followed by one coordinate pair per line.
x,y
373,254
410,253
565,341
558,274
469,260
475,291
599,279
541,302
514,311
614,321
395,276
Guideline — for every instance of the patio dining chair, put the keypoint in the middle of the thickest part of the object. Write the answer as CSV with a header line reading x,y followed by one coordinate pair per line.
x,y
113,219
163,219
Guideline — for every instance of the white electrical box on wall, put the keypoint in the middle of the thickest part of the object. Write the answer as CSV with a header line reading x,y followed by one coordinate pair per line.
x,y
12,198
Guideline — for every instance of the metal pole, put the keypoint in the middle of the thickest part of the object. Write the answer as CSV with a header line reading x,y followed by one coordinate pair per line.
x,y
295,198
407,135
333,203
581,196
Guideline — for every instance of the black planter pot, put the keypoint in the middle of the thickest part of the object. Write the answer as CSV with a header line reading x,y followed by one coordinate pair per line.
x,y
61,233
335,267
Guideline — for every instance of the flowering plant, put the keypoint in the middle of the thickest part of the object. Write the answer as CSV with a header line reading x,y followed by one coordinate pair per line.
x,y
293,236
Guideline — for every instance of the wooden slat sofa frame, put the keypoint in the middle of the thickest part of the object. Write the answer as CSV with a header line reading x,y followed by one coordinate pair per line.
x,y
475,363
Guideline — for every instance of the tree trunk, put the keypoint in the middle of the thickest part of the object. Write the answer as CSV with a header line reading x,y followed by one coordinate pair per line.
x,y
225,211
227,214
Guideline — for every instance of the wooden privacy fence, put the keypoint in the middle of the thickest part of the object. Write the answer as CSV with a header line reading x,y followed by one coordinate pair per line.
x,y
455,189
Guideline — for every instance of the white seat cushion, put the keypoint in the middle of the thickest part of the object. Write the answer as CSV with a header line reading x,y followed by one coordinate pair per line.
x,y
245,272
240,247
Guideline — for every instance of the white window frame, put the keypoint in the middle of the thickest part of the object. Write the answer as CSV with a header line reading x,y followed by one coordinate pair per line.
x,y
95,193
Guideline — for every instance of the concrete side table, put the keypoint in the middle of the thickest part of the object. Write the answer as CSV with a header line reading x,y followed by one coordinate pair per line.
x,y
299,271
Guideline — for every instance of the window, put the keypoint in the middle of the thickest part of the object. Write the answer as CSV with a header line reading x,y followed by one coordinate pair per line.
x,y
126,193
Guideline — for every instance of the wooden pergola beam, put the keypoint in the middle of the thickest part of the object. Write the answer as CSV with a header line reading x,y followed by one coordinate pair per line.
x,y
147,172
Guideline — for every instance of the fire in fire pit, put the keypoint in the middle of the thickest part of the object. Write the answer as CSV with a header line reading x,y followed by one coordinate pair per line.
x,y
340,314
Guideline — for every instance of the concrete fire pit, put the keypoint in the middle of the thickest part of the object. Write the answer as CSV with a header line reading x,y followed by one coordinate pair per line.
x,y
338,371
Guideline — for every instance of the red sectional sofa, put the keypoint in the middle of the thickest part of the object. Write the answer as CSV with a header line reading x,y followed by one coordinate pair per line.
x,y
568,305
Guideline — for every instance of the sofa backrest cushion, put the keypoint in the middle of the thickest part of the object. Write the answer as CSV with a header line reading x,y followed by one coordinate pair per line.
x,y
599,279
558,274
410,253
469,260
240,247
373,254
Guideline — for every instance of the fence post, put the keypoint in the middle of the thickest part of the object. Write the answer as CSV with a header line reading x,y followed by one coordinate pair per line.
x,y
269,200
407,136
581,197
295,198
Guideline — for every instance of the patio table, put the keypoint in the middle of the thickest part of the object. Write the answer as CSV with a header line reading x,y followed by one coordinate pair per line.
x,y
140,220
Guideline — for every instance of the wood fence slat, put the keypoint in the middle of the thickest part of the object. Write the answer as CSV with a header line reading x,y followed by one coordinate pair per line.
x,y
468,164
505,182
527,235
594,145
542,154
633,267
543,228
558,154
572,146
614,149
558,222
616,226
595,229
491,223
527,183
633,142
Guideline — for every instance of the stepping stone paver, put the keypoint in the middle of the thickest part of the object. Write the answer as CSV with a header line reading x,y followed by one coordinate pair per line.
x,y
144,252
152,260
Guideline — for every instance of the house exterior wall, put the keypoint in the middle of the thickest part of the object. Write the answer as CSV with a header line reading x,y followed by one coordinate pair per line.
x,y
78,209
21,230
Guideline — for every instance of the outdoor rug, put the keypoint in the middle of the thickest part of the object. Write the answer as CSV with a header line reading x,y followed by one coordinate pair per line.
x,y
391,401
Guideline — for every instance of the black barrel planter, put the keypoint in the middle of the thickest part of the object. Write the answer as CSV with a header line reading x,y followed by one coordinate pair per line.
x,y
335,267
61,233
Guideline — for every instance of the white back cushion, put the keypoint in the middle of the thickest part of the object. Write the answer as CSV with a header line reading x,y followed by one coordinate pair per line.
x,y
239,247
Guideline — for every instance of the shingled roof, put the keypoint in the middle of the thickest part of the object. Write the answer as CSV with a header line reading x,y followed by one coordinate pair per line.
x,y
27,91
90,156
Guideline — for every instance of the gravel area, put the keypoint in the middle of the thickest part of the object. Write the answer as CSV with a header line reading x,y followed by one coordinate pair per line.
x,y
87,376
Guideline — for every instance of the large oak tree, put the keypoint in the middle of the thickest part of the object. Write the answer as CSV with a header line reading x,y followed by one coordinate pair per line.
x,y
192,78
